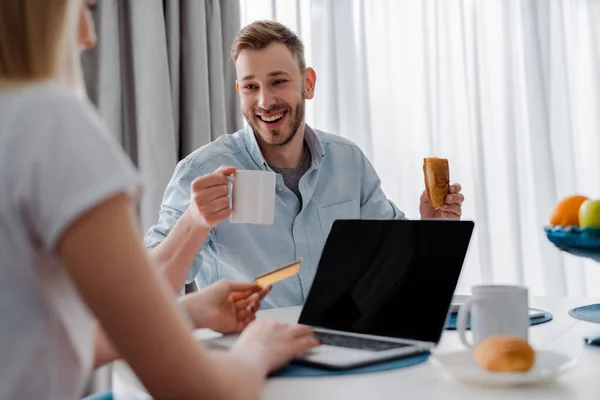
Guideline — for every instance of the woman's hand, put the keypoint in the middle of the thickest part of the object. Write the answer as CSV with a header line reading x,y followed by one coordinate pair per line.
x,y
225,306
271,345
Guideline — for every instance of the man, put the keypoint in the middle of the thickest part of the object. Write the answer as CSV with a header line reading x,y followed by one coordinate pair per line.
x,y
321,177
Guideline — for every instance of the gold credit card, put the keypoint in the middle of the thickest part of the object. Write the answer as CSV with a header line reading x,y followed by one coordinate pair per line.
x,y
278,274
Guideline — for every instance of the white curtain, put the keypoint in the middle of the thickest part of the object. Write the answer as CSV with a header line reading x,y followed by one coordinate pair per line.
x,y
507,90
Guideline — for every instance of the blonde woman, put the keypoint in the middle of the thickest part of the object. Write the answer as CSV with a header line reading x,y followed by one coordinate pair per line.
x,y
71,261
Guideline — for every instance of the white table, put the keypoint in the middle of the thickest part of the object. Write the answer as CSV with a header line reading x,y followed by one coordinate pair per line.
x,y
425,381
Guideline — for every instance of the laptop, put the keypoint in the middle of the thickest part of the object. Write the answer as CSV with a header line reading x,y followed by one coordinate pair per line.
x,y
382,290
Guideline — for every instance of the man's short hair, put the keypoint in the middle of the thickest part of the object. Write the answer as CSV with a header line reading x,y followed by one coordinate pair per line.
x,y
258,35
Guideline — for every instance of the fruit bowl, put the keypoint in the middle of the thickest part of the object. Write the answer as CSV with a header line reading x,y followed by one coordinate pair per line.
x,y
574,240
579,242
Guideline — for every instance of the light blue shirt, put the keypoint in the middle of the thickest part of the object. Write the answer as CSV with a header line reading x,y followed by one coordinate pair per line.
x,y
340,184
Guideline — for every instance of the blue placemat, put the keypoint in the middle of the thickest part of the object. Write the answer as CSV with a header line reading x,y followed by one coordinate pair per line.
x,y
108,395
451,322
305,371
589,313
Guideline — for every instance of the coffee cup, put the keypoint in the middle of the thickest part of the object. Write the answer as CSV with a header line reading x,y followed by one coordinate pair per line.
x,y
494,310
252,197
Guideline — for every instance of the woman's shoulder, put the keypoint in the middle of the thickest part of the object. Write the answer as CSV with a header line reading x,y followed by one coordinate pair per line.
x,y
48,107
47,98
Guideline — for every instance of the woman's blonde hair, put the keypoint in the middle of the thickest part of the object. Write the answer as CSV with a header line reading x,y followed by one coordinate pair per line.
x,y
38,41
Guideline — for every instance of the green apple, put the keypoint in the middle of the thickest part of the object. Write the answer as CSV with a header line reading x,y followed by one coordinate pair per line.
x,y
589,214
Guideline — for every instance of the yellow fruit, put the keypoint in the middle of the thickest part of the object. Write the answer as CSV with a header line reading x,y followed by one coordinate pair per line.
x,y
566,211
589,214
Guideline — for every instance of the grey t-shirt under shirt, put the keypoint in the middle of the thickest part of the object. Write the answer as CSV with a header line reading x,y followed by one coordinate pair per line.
x,y
291,176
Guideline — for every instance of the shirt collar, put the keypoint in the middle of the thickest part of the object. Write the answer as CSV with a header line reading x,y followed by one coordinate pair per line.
x,y
314,145
310,137
253,149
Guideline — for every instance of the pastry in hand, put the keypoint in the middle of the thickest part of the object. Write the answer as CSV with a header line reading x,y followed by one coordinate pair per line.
x,y
437,180
500,353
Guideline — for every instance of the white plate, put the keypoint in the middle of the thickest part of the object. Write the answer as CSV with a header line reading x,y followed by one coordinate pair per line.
x,y
462,366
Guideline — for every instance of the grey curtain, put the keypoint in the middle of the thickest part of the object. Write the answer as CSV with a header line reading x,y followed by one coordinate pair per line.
x,y
162,79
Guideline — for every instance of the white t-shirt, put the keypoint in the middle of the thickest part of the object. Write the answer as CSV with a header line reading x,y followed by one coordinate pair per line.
x,y
57,160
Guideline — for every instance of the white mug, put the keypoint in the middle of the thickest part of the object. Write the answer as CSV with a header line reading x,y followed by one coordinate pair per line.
x,y
494,310
253,197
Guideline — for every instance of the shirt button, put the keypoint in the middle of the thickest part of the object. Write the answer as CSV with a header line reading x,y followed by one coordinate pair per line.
x,y
297,219
280,188
301,258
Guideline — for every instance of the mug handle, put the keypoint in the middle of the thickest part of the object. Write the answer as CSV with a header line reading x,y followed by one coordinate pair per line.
x,y
231,179
461,320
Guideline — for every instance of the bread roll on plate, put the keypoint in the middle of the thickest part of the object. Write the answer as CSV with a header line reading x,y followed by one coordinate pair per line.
x,y
500,353
437,180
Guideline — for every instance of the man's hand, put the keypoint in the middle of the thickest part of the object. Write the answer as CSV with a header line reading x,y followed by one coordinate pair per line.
x,y
209,201
451,209
225,306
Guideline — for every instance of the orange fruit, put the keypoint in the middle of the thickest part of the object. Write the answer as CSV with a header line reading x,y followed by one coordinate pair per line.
x,y
566,211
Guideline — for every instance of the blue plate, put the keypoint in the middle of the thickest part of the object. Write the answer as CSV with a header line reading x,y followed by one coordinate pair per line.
x,y
576,241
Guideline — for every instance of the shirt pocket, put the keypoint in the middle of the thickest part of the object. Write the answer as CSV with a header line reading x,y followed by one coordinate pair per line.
x,y
328,215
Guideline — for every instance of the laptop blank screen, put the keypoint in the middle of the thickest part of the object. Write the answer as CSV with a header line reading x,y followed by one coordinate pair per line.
x,y
388,278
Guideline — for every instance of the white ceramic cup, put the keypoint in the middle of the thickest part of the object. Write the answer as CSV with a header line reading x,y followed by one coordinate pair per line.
x,y
494,310
253,197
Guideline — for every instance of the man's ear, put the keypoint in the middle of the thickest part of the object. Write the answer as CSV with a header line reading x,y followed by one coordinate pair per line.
x,y
310,80
237,86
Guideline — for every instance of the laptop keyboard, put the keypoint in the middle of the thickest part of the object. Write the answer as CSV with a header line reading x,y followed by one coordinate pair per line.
x,y
352,342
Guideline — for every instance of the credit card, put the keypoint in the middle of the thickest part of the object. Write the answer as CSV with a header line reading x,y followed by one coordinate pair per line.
x,y
278,274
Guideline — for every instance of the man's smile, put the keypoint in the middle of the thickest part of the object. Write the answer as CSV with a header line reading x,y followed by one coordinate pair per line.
x,y
273,120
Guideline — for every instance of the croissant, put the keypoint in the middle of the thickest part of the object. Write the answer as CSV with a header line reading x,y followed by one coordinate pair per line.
x,y
500,353
437,180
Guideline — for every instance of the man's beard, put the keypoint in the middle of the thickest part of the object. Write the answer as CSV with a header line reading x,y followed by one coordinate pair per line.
x,y
297,118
